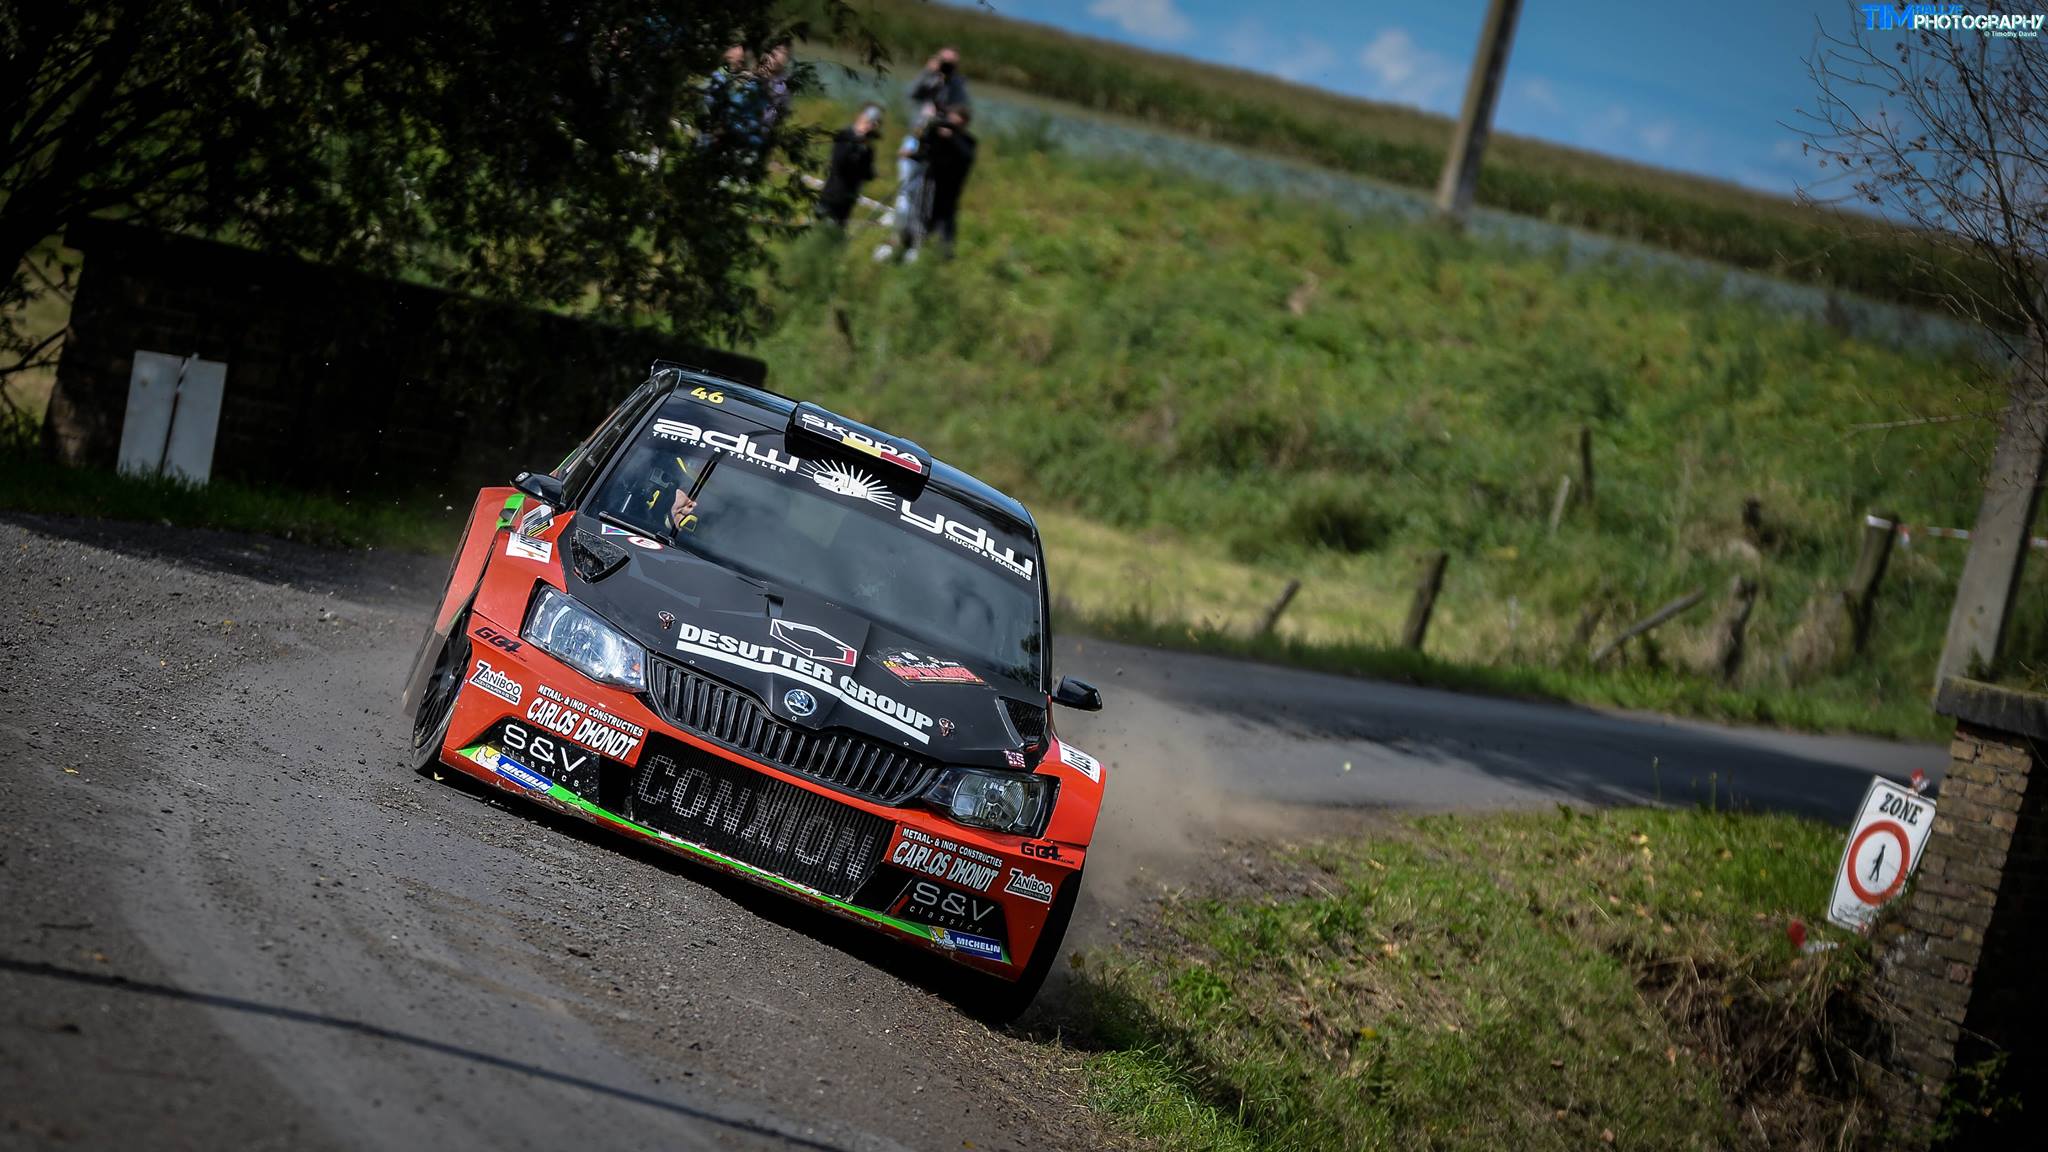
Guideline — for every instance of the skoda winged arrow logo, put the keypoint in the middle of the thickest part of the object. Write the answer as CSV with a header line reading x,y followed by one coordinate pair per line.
x,y
799,702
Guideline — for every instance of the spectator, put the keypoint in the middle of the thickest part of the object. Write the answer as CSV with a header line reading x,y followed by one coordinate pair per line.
x,y
852,165
742,106
939,88
940,85
948,151
771,82
722,95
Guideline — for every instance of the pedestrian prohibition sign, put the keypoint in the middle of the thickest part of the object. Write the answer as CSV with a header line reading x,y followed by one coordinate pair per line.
x,y
1884,846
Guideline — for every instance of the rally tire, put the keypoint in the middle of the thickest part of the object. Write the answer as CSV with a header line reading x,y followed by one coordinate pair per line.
x,y
996,1001
437,700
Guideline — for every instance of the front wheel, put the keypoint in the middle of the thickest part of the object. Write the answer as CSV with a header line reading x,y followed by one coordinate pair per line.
x,y
996,1001
437,702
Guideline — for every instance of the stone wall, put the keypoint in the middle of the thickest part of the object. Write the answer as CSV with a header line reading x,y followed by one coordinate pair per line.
x,y
337,380
1957,964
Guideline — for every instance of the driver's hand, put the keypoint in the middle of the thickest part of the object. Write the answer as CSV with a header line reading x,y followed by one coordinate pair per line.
x,y
682,513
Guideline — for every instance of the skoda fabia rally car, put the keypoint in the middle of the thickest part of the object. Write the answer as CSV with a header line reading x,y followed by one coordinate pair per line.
x,y
785,644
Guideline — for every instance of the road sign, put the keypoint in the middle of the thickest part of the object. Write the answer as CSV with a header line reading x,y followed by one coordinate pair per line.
x,y
1884,847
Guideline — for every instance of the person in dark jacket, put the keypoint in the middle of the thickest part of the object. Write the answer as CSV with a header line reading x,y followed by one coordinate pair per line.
x,y
948,151
852,165
940,85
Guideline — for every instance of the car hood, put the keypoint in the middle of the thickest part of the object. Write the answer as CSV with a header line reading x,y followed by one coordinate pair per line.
x,y
815,664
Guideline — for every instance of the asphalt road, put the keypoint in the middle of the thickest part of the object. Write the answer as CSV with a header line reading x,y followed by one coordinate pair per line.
x,y
230,917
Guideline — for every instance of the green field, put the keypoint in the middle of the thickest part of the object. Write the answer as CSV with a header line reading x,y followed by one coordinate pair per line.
x,y
1688,214
1543,980
1209,394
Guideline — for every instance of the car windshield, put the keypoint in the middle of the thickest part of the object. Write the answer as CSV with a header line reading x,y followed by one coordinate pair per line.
x,y
934,569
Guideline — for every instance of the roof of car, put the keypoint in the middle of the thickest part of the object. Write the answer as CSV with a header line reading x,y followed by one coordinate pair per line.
x,y
947,478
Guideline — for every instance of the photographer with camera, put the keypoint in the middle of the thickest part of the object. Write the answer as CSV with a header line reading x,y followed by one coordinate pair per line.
x,y
940,86
939,90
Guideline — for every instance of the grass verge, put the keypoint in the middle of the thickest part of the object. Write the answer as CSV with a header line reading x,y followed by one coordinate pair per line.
x,y
1535,980
30,484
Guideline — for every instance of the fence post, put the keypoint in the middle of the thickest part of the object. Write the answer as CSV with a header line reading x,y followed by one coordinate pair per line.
x,y
1860,597
1426,587
1564,493
1729,628
1272,616
1586,464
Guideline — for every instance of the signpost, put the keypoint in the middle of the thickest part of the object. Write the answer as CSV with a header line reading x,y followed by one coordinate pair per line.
x,y
1884,846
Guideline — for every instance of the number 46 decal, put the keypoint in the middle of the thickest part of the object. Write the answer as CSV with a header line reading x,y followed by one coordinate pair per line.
x,y
712,395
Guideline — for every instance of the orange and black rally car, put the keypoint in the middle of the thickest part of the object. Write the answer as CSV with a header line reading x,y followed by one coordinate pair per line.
x,y
785,644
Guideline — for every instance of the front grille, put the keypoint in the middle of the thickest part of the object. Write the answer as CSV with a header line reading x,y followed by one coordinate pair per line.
x,y
847,761
756,819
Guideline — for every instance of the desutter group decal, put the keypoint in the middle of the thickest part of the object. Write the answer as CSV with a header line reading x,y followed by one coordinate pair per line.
x,y
727,649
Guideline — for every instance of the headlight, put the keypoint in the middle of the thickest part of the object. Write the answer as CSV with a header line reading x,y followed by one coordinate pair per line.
x,y
581,639
1005,801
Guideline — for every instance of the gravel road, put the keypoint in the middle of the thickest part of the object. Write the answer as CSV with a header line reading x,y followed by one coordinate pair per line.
x,y
230,917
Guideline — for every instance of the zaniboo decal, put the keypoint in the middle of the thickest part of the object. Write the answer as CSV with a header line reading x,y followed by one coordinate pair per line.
x,y
497,683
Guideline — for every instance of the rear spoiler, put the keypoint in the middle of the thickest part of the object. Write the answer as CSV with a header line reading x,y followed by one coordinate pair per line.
x,y
909,466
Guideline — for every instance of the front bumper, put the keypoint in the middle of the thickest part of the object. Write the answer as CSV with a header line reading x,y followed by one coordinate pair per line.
x,y
527,723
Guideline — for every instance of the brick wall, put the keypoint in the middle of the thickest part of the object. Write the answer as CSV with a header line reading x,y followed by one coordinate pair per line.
x,y
337,380
1957,966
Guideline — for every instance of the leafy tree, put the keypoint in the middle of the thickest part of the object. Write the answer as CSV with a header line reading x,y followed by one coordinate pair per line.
x,y
558,152
1946,129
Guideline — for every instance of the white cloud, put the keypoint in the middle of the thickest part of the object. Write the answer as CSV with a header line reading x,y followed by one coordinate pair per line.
x,y
1309,60
1657,137
1536,95
1304,60
1406,73
1152,19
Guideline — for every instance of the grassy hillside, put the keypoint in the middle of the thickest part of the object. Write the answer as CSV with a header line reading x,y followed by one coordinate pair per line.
x,y
1687,214
1212,394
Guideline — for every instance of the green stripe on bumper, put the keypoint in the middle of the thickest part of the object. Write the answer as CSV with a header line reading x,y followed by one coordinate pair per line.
x,y
562,795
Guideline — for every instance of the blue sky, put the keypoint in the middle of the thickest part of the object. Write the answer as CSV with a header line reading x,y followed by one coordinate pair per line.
x,y
1704,88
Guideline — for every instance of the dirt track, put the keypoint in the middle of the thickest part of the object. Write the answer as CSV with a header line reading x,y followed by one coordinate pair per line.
x,y
229,917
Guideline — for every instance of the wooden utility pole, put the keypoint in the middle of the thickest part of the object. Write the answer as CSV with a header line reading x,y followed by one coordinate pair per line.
x,y
1475,123
1998,540
1426,587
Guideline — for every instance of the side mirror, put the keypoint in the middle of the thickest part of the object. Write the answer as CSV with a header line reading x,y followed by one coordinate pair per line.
x,y
540,486
1077,694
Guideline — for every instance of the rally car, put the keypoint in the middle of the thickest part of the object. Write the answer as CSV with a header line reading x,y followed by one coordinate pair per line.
x,y
785,644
